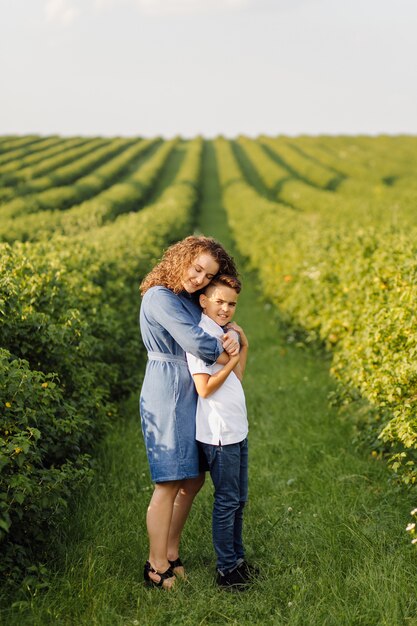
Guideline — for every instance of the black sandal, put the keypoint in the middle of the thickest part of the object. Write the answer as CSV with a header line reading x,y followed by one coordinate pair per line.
x,y
163,576
176,563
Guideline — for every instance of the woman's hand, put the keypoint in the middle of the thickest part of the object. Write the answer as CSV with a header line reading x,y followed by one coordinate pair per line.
x,y
239,329
231,343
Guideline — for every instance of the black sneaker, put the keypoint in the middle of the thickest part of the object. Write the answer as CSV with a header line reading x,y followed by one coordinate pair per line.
x,y
232,581
247,571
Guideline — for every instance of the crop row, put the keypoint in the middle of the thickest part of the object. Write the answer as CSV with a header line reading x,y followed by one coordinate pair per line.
x,y
332,281
390,205
76,167
70,350
16,159
355,163
370,159
121,197
48,165
33,157
63,197
13,143
298,163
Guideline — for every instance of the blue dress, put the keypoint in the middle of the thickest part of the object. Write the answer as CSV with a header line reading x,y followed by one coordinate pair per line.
x,y
168,400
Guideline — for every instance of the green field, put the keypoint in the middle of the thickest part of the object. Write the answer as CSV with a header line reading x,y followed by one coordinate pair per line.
x,y
323,229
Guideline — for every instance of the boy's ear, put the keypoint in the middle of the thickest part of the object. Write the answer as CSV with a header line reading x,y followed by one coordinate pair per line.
x,y
202,299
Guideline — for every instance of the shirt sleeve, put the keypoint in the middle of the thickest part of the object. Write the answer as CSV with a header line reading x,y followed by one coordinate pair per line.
x,y
166,308
197,366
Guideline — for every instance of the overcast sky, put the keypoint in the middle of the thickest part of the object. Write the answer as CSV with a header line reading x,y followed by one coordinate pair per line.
x,y
167,67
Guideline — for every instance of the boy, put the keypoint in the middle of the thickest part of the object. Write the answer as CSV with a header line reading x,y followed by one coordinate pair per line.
x,y
221,430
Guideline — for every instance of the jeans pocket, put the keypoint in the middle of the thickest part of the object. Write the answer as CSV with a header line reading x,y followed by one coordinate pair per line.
x,y
210,453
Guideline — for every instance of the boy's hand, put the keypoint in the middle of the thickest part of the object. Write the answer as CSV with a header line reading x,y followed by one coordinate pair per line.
x,y
231,343
239,329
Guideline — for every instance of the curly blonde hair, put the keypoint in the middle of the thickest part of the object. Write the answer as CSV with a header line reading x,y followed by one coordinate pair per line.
x,y
176,260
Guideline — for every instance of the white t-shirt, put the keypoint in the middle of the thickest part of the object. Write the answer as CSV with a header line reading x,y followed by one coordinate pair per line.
x,y
221,417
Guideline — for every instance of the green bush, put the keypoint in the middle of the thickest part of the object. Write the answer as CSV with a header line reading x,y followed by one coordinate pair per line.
x,y
17,159
120,197
70,351
50,164
41,462
353,289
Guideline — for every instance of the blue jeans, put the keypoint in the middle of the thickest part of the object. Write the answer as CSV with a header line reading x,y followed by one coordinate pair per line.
x,y
228,467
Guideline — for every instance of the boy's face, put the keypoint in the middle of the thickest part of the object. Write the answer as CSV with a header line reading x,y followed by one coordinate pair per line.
x,y
219,303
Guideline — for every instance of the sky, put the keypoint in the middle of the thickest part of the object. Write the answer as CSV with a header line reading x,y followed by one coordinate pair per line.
x,y
188,67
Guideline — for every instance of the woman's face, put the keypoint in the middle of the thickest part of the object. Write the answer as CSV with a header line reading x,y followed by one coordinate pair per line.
x,y
200,273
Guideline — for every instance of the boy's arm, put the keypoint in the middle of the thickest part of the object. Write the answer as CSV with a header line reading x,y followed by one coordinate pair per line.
x,y
206,384
223,359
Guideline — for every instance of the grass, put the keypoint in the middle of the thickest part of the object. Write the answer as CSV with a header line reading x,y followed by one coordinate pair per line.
x,y
325,522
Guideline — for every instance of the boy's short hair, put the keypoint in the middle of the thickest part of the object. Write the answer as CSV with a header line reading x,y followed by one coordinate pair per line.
x,y
225,280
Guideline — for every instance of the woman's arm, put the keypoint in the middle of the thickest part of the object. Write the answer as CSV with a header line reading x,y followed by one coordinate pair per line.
x,y
160,306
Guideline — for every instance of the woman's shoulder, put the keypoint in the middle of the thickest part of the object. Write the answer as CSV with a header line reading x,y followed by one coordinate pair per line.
x,y
159,296
158,291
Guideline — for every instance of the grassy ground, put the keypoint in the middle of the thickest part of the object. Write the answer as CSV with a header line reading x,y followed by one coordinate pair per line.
x,y
324,522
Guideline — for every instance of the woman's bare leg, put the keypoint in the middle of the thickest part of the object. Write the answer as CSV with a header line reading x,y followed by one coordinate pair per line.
x,y
158,522
188,489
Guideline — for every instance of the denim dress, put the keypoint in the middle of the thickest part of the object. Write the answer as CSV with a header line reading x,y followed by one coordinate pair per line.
x,y
168,399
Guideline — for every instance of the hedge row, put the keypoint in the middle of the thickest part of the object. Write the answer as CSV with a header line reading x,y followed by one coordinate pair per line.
x,y
16,159
374,205
370,159
52,163
31,157
68,327
374,202
292,159
121,197
332,281
85,187
30,196
80,166
13,143
272,174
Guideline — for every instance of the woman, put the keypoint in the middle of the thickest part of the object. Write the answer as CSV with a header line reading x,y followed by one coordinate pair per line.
x,y
169,318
